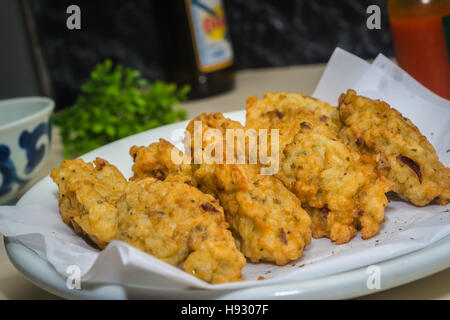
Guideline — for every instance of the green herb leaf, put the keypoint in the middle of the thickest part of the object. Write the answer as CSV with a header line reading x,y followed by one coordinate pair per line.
x,y
116,102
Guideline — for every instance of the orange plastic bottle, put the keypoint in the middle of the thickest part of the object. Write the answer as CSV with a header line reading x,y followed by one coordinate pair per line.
x,y
421,32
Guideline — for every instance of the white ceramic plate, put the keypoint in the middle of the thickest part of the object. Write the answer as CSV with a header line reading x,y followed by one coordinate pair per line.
x,y
394,272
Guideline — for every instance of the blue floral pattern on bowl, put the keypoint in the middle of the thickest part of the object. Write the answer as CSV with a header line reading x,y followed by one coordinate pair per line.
x,y
7,170
34,153
28,141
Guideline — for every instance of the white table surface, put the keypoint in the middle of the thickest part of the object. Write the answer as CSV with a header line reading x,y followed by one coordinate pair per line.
x,y
250,82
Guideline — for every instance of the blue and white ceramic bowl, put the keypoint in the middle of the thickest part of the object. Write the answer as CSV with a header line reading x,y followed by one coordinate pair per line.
x,y
24,142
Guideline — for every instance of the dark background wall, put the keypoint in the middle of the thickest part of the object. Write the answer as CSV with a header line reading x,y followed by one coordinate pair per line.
x,y
16,62
264,33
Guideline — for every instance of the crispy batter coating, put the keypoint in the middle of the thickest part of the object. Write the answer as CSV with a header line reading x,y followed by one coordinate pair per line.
x,y
156,161
266,219
88,196
404,155
182,226
215,121
314,165
170,220
292,113
340,191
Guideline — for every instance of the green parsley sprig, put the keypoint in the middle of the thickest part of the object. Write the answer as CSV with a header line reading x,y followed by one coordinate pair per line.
x,y
116,102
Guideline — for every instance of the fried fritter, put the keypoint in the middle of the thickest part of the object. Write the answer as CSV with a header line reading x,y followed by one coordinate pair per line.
x,y
156,161
404,155
170,220
340,191
220,124
266,219
314,165
292,113
88,196
181,226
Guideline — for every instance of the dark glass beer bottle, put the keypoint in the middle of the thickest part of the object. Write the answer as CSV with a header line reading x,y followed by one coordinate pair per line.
x,y
197,43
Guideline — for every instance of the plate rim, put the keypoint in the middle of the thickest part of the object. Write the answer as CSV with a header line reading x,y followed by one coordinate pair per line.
x,y
350,284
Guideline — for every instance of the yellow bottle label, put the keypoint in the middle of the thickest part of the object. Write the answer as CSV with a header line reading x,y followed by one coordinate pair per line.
x,y
209,32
